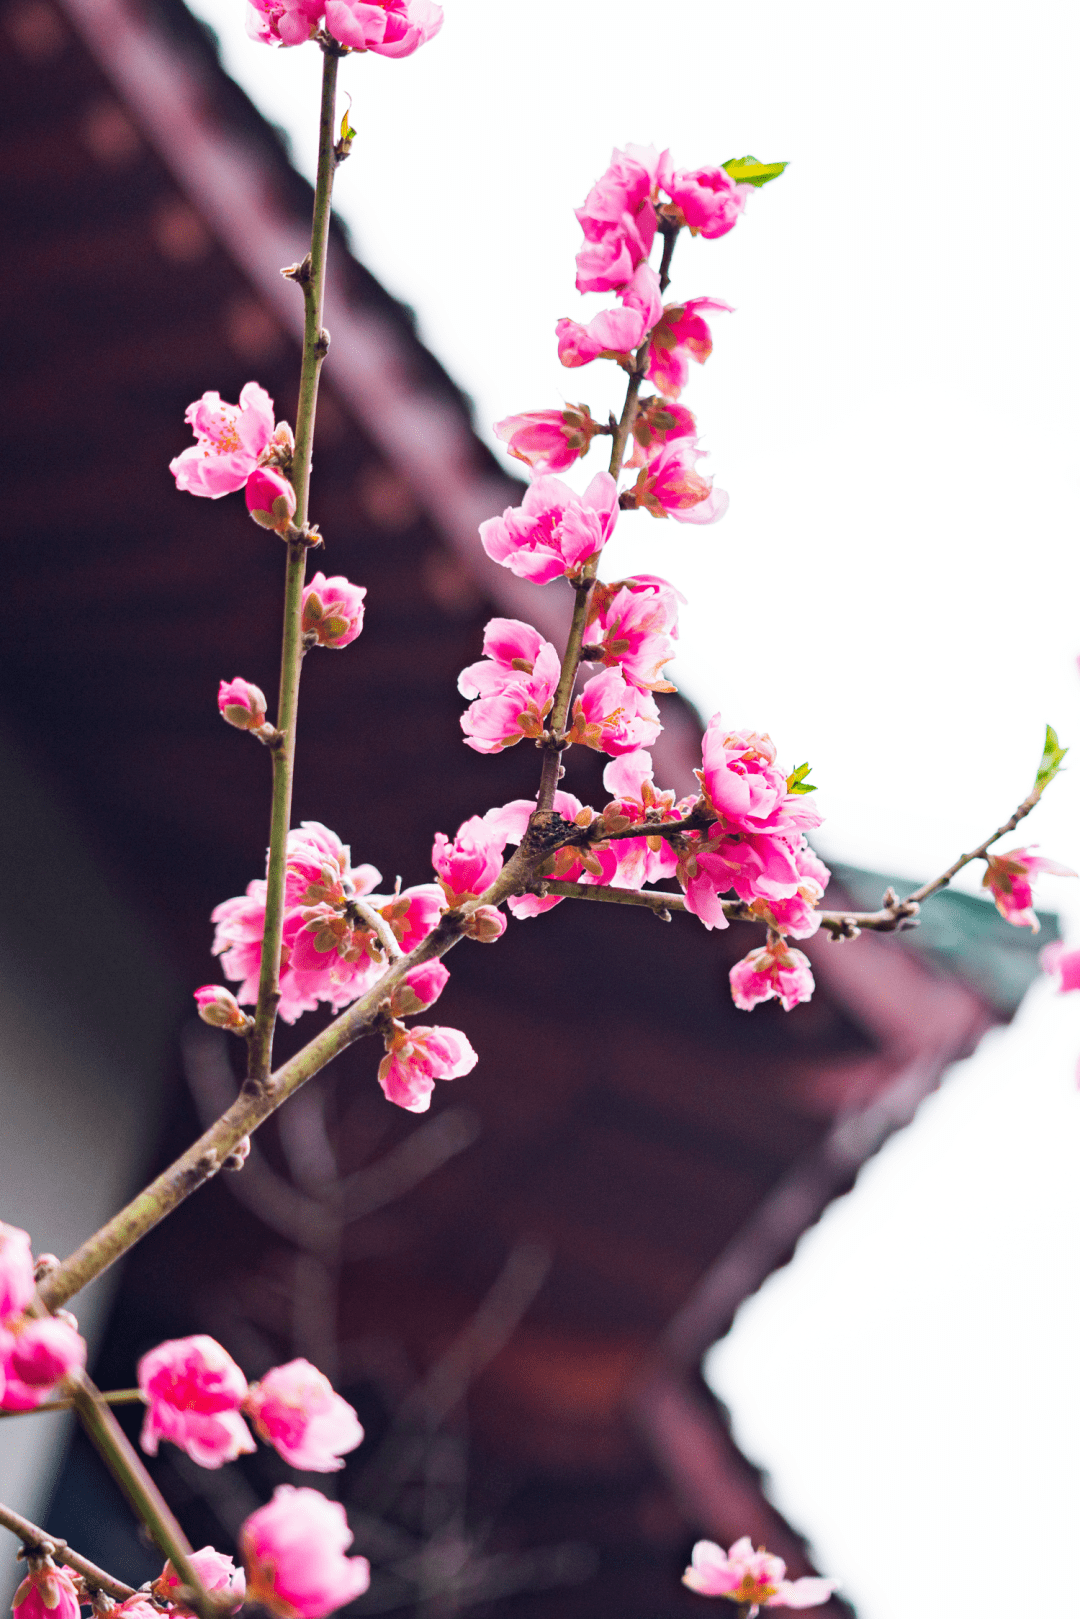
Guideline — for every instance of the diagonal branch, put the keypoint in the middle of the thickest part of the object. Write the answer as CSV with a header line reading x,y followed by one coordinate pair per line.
x,y
35,1539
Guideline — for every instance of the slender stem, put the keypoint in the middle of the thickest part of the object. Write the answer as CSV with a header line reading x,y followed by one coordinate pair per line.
x,y
978,854
34,1539
126,1467
378,925
311,275
116,1397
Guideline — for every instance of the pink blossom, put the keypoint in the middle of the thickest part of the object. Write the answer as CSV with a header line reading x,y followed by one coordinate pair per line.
x,y
776,970
217,1574
514,684
634,623
294,1408
681,335
613,716
1008,877
470,864
1061,963
229,439
669,486
411,914
548,440
659,421
419,989
762,868
283,22
47,1592
619,222
332,956
333,610
708,200
294,1552
193,1391
218,1007
242,704
753,1578
416,1058
390,28
45,1351
743,783
16,1270
271,499
615,333
629,780
796,915
553,531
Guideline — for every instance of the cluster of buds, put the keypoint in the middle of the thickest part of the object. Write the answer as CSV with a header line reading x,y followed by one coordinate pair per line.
x,y
35,1353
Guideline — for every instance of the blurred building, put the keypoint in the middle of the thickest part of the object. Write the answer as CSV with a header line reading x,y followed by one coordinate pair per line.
x,y
517,1290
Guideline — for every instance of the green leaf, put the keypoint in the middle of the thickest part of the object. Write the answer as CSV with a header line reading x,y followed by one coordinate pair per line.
x,y
797,782
1050,763
748,171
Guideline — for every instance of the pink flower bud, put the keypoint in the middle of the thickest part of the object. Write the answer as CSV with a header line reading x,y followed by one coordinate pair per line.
x,y
294,1408
271,499
777,971
486,924
471,863
47,1592
416,1058
1008,877
45,1351
294,1552
219,1007
548,440
333,610
419,989
218,1575
16,1270
193,1390
241,704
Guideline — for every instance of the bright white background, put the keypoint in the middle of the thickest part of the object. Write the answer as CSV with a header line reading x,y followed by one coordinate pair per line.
x,y
893,595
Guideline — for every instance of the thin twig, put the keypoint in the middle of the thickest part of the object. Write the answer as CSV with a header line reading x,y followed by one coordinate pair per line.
x,y
311,276
115,1397
379,926
35,1539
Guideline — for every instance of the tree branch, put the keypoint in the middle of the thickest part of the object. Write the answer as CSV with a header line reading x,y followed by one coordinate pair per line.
x,y
116,1397
35,1539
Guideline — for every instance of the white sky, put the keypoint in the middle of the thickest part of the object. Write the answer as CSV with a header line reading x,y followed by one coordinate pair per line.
x,y
892,595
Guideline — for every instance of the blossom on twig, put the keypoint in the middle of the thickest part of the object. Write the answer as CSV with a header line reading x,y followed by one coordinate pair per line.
x,y
229,439
554,531
218,1575
416,1057
294,1552
295,1409
193,1391
1008,877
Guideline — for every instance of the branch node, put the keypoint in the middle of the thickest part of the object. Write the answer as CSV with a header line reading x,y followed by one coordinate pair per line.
x,y
300,273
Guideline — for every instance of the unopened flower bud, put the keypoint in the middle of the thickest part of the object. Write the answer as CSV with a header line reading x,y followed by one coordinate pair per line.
x,y
220,1008
241,704
486,924
333,610
419,989
46,1351
16,1270
47,1592
271,499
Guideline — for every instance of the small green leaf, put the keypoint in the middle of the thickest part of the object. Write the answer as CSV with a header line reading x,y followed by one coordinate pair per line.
x,y
748,171
1050,763
797,782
